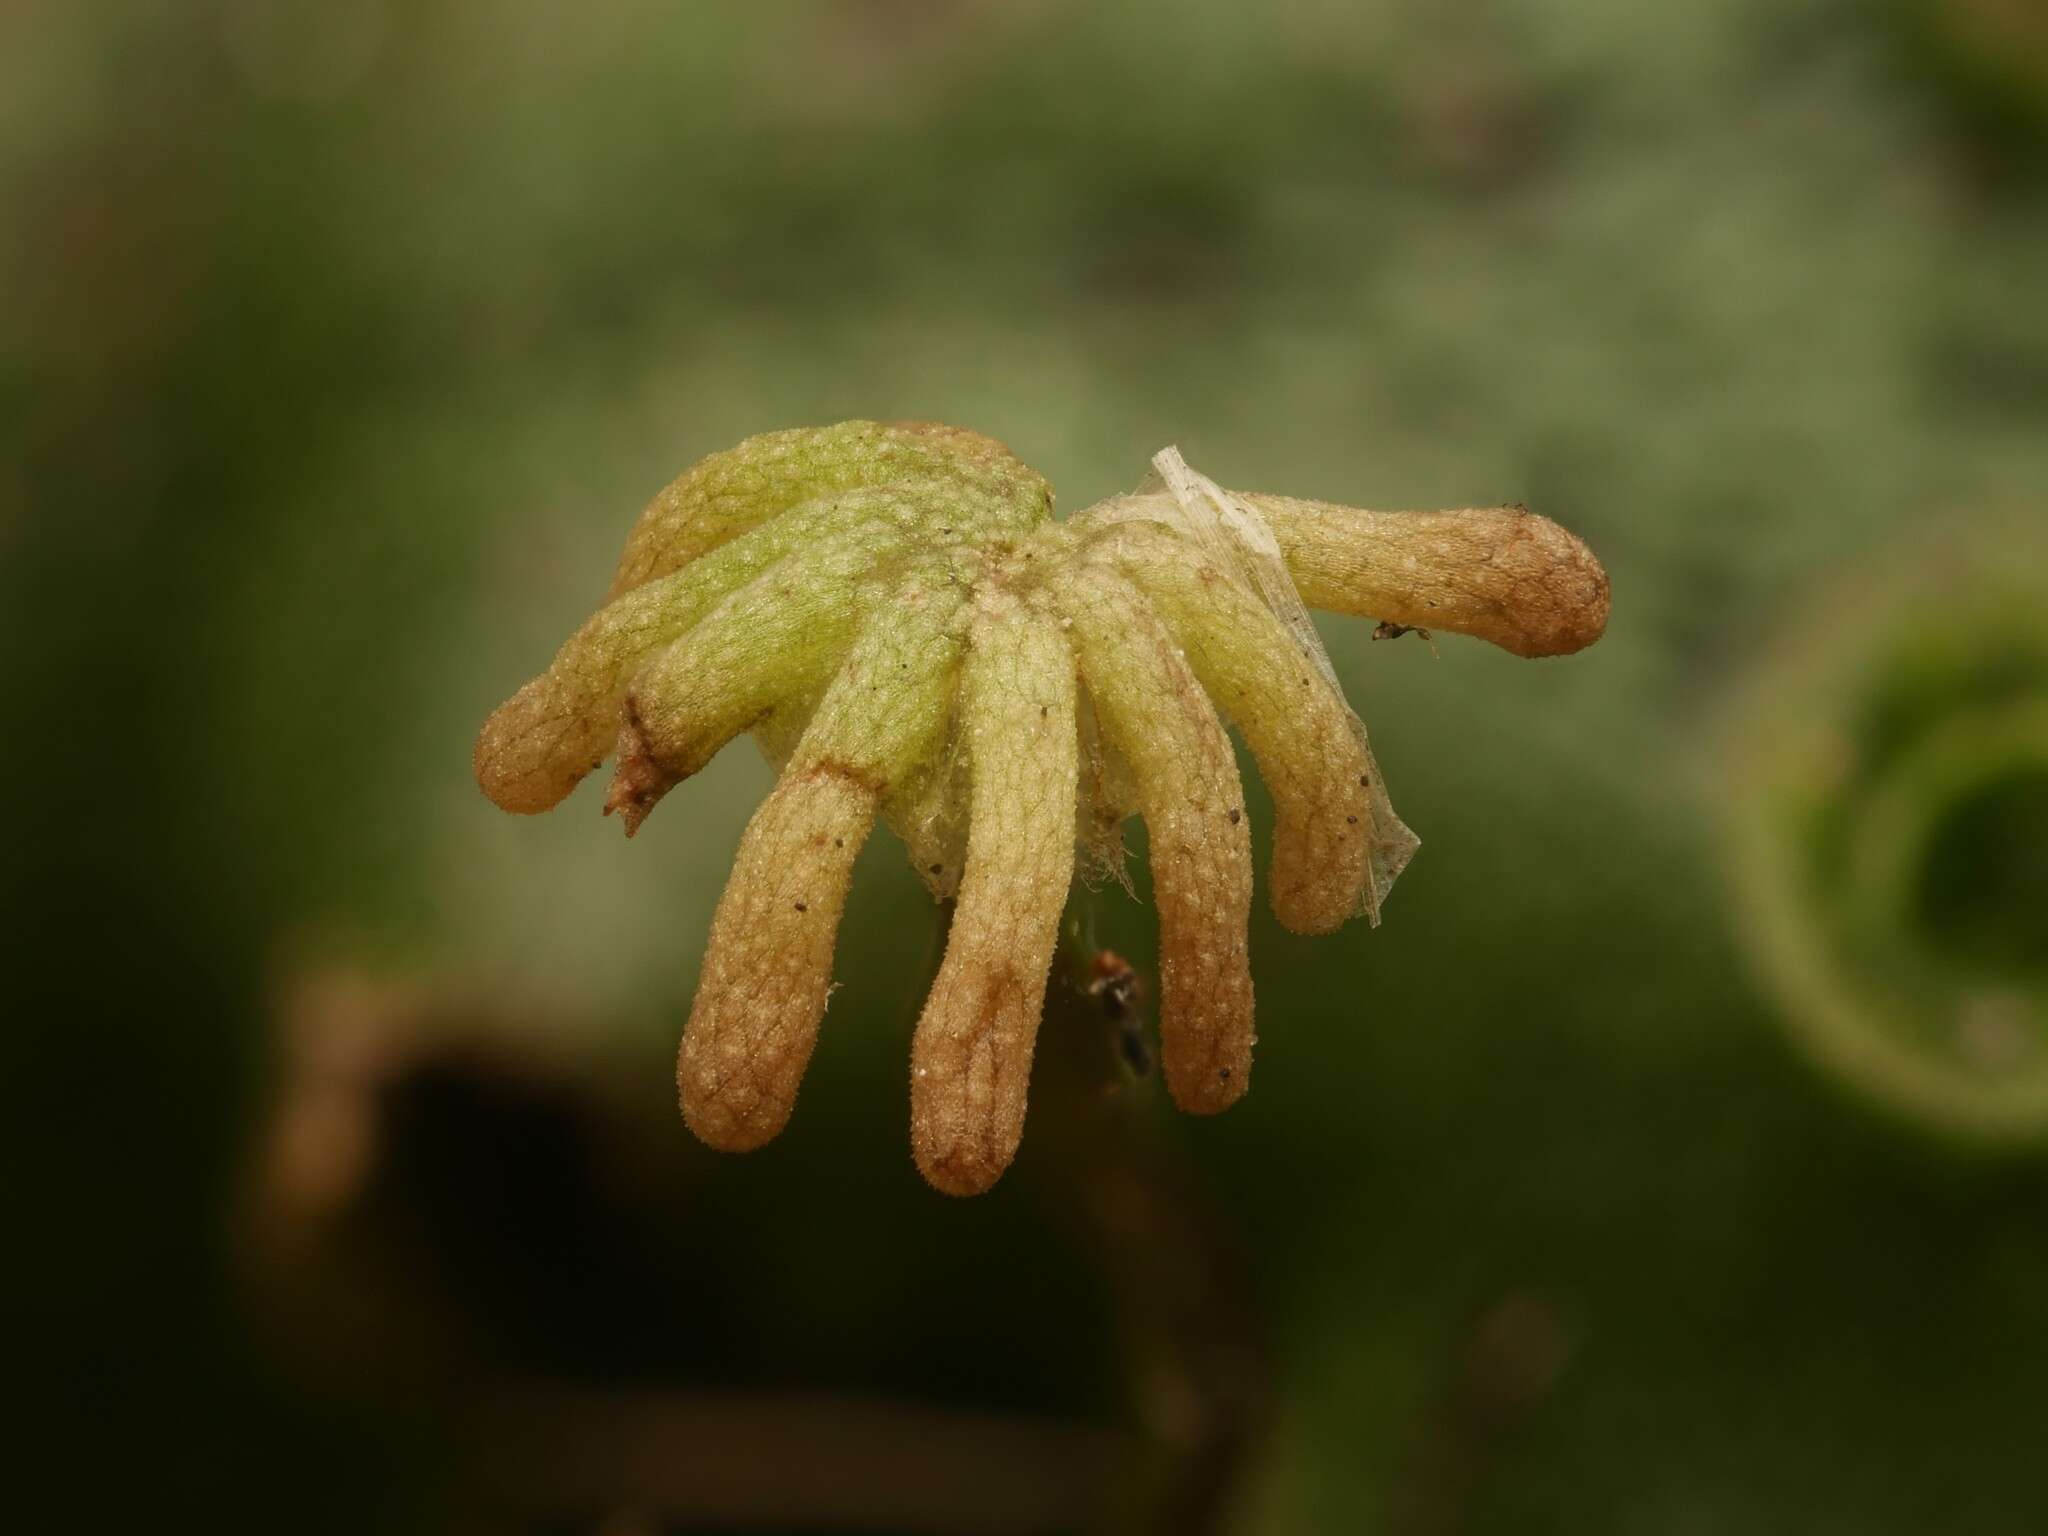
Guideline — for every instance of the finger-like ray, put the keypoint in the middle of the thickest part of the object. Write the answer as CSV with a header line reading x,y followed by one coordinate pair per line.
x,y
768,968
1153,711
1501,573
540,743
1298,727
971,1061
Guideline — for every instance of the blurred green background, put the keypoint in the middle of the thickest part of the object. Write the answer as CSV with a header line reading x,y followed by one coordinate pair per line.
x,y
342,344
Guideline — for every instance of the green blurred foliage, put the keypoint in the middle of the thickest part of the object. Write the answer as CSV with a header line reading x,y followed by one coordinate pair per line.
x,y
343,343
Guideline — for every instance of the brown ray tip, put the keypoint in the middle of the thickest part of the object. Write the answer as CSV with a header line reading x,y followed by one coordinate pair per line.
x,y
638,780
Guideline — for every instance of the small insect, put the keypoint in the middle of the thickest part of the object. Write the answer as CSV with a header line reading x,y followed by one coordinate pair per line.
x,y
1389,630
1118,989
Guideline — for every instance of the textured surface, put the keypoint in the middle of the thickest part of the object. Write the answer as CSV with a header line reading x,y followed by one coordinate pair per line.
x,y
971,1061
1300,732
1500,573
729,493
768,968
1153,711
893,611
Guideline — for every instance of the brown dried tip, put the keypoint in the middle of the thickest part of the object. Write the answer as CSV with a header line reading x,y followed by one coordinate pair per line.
x,y
638,779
